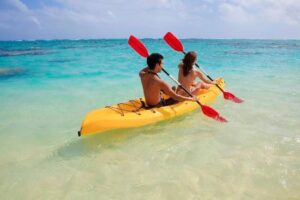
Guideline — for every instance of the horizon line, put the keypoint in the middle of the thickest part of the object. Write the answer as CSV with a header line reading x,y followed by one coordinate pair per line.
x,y
145,38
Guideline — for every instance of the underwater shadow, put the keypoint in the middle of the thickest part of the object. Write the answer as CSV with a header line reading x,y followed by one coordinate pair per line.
x,y
96,143
11,72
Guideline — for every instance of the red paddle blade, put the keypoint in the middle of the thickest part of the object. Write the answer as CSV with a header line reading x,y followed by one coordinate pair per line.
x,y
208,111
173,42
138,46
232,97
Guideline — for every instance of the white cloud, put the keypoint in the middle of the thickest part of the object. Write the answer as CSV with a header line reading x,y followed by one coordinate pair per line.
x,y
151,18
279,11
284,11
35,21
235,13
17,4
110,13
17,12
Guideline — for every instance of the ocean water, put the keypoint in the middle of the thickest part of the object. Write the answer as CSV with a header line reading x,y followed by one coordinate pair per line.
x,y
47,87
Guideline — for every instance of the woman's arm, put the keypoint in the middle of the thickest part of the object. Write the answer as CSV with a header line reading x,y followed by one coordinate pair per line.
x,y
201,77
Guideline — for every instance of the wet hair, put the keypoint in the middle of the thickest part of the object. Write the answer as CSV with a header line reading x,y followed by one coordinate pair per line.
x,y
153,59
188,62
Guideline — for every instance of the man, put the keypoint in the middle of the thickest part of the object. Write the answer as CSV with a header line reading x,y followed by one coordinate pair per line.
x,y
152,84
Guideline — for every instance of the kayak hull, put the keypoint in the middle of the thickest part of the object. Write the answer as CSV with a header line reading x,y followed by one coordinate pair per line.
x,y
131,114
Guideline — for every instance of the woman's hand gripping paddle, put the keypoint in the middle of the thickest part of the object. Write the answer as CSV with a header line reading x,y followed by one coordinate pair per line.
x,y
175,43
140,48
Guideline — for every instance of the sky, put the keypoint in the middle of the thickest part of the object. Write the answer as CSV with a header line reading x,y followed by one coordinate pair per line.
x,y
93,19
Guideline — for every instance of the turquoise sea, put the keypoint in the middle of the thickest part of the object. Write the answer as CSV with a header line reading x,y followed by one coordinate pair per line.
x,y
47,87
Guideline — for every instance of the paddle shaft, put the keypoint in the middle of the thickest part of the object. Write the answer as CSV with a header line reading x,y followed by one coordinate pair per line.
x,y
205,74
170,76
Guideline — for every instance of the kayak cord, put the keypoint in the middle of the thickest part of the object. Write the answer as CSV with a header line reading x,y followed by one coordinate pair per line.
x,y
121,111
145,106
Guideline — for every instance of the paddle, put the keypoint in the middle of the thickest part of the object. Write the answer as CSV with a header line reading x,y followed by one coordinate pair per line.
x,y
175,43
139,47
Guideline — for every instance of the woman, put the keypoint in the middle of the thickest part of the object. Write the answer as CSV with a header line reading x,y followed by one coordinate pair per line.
x,y
187,75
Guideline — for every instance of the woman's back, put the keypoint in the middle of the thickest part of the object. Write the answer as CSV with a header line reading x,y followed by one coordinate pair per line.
x,y
187,75
186,81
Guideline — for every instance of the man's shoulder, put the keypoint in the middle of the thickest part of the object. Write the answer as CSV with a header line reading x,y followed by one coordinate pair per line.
x,y
143,71
161,82
157,79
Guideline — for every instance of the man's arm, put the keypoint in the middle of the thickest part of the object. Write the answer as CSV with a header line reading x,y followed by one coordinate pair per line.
x,y
168,91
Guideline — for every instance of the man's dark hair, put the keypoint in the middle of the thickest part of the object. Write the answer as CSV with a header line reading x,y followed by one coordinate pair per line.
x,y
153,59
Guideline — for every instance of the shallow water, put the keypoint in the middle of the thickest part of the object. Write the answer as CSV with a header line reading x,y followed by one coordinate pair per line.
x,y
254,156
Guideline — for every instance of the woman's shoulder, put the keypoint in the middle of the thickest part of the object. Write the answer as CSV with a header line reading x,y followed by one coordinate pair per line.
x,y
195,72
180,65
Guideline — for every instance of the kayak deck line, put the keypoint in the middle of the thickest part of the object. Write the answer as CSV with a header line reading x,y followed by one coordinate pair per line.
x,y
130,103
133,113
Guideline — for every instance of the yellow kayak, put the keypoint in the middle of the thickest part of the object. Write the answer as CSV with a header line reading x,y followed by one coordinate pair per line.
x,y
132,114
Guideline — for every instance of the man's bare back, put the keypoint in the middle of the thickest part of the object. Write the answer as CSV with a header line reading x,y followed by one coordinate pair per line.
x,y
153,85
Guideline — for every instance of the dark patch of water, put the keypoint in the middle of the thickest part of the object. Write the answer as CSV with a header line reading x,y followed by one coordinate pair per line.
x,y
6,72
